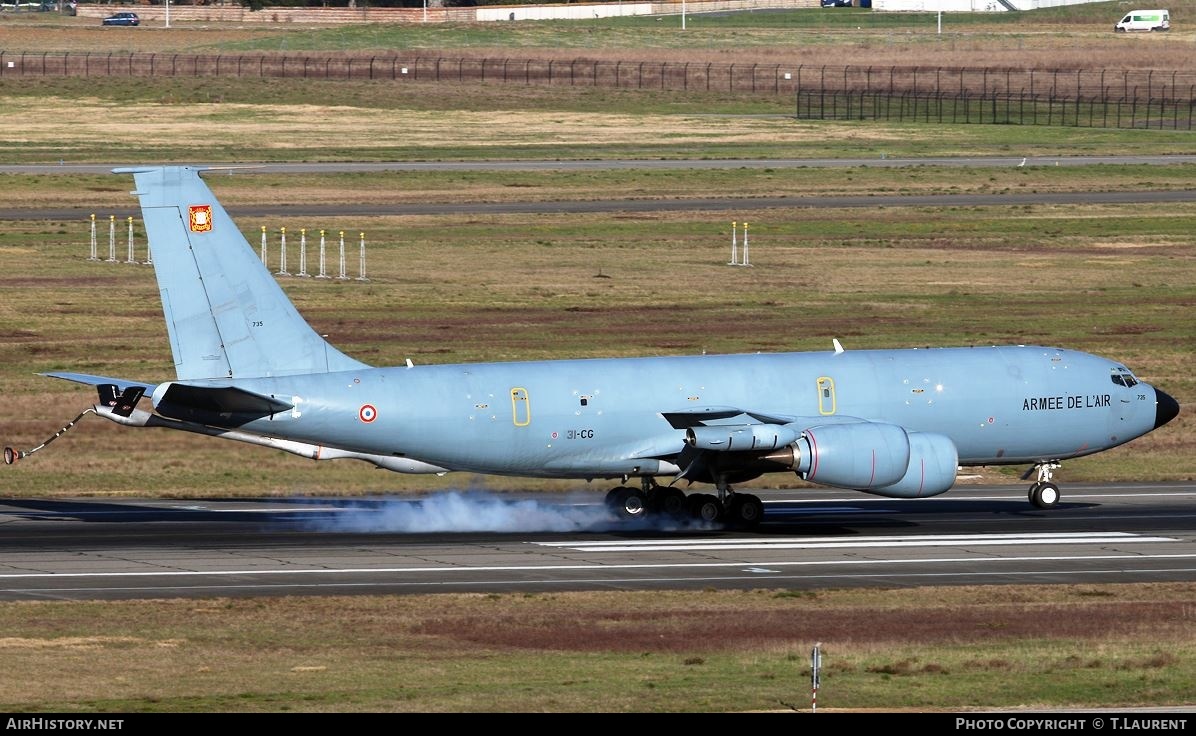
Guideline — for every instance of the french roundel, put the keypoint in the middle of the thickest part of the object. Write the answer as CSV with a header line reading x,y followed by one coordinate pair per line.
x,y
367,413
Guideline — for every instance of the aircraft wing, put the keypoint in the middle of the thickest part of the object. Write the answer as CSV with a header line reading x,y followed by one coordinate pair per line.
x,y
699,416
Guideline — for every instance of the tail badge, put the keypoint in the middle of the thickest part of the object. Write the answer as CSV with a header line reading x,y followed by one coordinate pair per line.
x,y
200,217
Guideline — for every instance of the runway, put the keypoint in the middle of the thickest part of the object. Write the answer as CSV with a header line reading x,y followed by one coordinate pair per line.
x,y
86,549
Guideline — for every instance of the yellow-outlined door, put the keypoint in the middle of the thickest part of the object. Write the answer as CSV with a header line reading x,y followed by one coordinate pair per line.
x,y
521,407
826,396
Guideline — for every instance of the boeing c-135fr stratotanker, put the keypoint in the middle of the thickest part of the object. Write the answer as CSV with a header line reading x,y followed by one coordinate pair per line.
x,y
896,423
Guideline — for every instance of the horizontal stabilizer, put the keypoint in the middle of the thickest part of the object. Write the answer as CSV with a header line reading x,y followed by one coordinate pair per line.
x,y
90,380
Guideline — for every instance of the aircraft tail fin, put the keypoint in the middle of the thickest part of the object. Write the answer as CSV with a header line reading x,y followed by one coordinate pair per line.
x,y
225,314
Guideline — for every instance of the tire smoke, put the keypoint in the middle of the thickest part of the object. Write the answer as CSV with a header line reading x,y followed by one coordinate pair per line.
x,y
455,511
473,511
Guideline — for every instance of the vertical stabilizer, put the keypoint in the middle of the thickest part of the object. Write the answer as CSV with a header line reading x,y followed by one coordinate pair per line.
x,y
226,315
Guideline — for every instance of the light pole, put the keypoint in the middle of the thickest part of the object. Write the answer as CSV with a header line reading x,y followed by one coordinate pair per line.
x,y
168,13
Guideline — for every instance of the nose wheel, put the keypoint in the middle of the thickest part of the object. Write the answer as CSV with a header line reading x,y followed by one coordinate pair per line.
x,y
1044,494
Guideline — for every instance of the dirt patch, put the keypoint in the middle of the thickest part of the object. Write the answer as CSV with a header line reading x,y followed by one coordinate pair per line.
x,y
67,642
679,630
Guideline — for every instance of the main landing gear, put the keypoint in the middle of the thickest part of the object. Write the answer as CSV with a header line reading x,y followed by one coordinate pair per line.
x,y
739,510
1044,494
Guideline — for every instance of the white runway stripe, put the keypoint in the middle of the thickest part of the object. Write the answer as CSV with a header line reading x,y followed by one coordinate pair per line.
x,y
1020,494
929,540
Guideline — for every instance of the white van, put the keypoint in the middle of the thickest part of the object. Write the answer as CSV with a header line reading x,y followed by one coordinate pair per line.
x,y
1145,20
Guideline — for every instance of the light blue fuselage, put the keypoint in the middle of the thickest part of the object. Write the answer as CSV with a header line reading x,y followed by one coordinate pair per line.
x,y
999,405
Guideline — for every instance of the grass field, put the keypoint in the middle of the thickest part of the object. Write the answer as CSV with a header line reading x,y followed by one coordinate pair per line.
x,y
920,649
1116,280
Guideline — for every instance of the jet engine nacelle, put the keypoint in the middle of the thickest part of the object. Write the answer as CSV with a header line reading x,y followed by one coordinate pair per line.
x,y
860,455
740,437
874,457
933,462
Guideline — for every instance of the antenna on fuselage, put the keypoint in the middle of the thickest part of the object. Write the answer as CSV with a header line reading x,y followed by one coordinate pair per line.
x,y
838,345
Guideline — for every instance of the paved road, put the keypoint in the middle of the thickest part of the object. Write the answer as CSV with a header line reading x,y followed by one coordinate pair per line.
x,y
810,539
645,205
640,205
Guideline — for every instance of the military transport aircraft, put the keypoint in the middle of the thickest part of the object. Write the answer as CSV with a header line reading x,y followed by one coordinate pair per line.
x,y
895,423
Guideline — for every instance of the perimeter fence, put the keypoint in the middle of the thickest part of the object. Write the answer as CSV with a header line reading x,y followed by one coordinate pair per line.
x,y
1132,98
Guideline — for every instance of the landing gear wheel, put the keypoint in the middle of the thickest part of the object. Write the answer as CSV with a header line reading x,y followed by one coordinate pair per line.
x,y
627,503
664,501
1044,495
745,511
704,507
610,497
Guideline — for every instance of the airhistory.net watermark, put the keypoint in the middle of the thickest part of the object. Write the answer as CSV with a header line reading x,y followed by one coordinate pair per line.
x,y
64,724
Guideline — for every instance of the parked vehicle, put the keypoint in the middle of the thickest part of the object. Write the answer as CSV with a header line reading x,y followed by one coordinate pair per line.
x,y
122,19
1144,20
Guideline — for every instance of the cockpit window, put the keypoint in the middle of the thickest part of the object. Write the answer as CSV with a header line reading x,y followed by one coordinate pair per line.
x,y
1122,377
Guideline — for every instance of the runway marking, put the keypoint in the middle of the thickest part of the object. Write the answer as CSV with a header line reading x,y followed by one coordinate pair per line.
x,y
928,540
582,566
1020,495
837,509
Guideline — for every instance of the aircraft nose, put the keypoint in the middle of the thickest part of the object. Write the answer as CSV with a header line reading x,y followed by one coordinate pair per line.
x,y
1166,408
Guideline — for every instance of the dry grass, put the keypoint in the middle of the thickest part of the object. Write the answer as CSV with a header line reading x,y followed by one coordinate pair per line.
x,y
668,651
95,122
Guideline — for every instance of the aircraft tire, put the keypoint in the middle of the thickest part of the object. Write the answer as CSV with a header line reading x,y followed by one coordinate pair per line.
x,y
629,503
746,511
705,507
664,501
1044,495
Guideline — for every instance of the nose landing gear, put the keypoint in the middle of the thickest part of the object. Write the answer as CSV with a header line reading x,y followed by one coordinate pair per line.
x,y
1044,494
